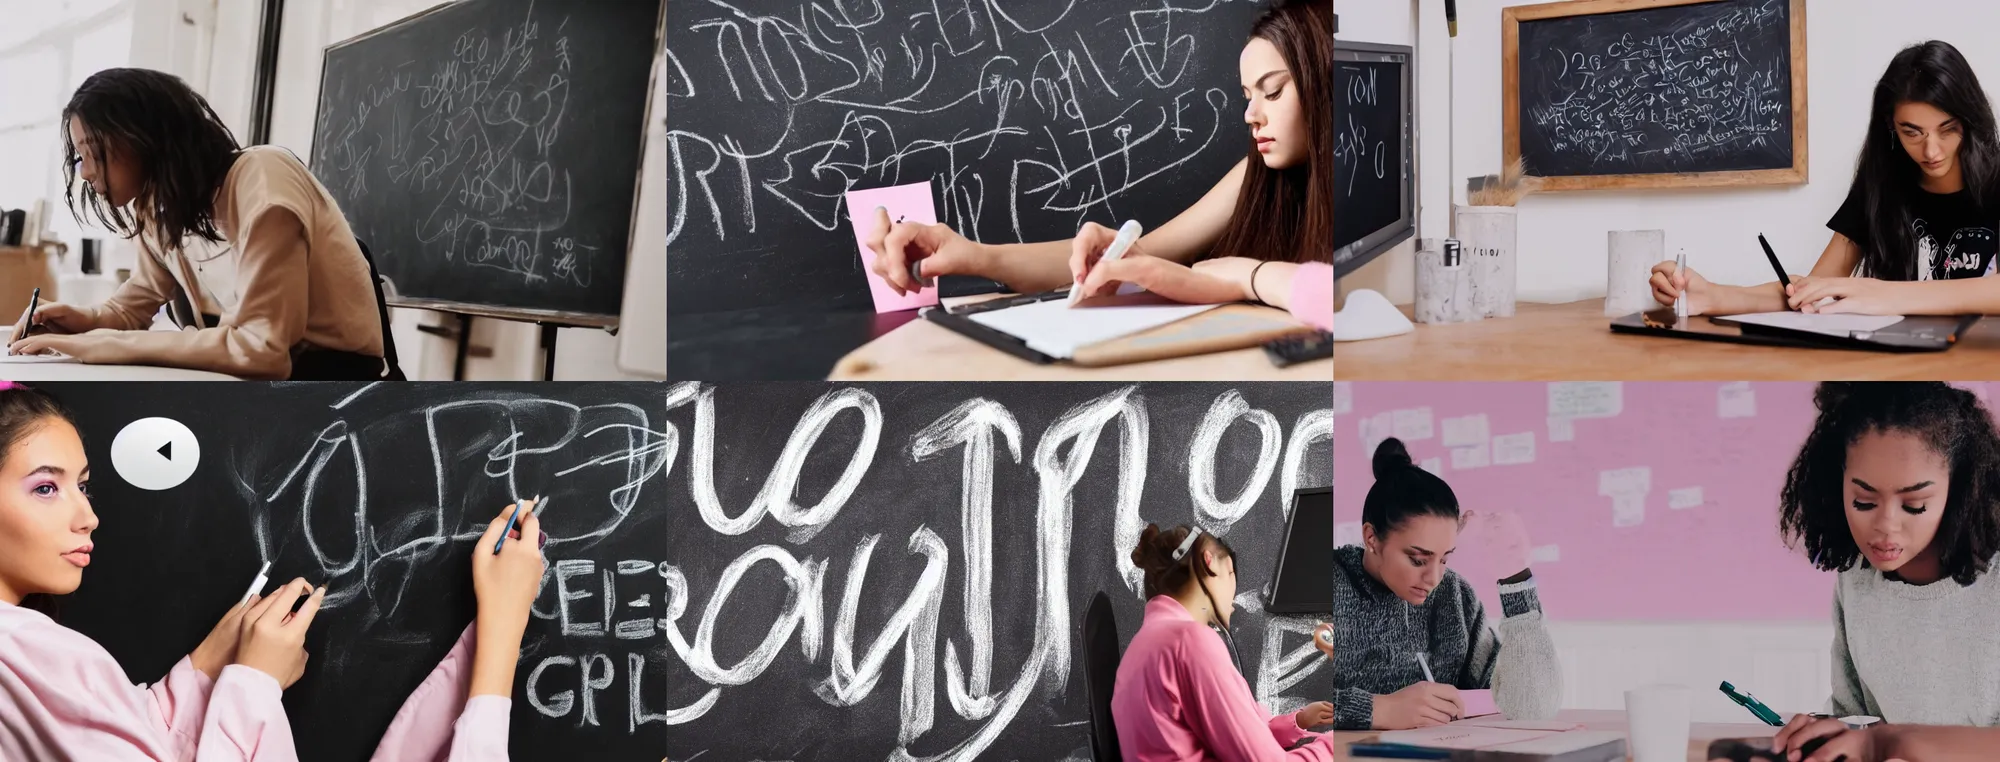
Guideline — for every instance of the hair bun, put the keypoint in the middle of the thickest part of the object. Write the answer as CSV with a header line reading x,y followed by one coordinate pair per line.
x,y
1391,455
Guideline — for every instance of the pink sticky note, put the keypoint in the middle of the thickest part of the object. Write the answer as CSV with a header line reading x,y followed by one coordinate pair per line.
x,y
909,203
1478,703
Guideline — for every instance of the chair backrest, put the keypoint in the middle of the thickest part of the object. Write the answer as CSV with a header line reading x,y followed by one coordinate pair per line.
x,y
1100,667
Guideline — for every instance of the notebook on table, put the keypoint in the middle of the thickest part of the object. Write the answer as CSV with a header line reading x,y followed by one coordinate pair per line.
x,y
1499,740
1132,326
1888,333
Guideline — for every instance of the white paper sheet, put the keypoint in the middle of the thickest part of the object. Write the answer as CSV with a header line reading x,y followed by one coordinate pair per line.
x,y
1055,329
1831,325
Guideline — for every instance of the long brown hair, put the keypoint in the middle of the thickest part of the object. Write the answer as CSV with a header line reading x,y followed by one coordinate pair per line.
x,y
22,412
1287,215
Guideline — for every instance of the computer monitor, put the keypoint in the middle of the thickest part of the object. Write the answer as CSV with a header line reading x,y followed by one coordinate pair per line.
x,y
1303,581
1374,134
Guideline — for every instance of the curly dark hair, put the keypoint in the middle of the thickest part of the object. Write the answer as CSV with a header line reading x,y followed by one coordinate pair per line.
x,y
183,150
1950,420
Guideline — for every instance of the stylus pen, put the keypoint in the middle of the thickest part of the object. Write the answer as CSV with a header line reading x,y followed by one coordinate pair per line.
x,y
1784,281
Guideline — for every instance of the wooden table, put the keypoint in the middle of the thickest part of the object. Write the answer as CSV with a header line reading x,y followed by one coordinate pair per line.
x,y
33,372
925,351
1574,342
1699,737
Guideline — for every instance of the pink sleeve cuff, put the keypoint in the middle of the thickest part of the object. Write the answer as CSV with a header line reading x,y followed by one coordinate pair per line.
x,y
1312,295
481,732
1285,729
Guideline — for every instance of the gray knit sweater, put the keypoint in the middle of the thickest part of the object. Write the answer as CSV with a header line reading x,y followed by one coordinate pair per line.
x,y
1377,636
1916,654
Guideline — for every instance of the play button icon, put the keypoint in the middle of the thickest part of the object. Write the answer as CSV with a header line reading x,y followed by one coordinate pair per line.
x,y
155,453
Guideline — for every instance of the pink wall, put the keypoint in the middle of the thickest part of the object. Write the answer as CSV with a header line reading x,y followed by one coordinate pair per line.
x,y
1625,548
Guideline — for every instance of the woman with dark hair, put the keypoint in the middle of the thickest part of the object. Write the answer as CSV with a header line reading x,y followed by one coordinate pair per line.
x,y
1916,233
1264,233
1898,489
247,250
1179,694
1399,613
62,696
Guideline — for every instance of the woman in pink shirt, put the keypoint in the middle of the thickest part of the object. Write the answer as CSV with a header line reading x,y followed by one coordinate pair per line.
x,y
63,697
1179,695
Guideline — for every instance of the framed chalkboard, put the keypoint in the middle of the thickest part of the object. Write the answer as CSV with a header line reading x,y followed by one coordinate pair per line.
x,y
1374,196
488,152
1656,93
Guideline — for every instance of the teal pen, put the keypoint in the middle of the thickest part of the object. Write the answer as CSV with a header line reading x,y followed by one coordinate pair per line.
x,y
1751,703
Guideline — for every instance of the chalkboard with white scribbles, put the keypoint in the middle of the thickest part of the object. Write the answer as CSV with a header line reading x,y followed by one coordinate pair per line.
x,y
1657,93
488,152
1027,118
380,492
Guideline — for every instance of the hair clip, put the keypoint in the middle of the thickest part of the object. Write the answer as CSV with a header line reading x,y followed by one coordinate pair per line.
x,y
1187,543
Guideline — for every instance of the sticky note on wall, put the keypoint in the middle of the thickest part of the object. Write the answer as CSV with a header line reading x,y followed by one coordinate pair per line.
x,y
909,203
1586,399
1465,431
1514,449
1413,425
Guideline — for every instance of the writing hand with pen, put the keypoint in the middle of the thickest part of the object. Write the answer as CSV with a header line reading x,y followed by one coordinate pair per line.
x,y
47,330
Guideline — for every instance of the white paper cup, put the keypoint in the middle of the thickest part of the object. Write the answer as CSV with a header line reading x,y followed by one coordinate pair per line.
x,y
1627,282
1657,718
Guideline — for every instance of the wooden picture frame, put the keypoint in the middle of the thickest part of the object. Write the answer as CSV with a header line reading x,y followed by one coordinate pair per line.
x,y
1510,36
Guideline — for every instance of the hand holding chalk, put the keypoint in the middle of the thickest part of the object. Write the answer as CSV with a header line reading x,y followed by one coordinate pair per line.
x,y
506,582
1323,639
274,636
1091,239
218,650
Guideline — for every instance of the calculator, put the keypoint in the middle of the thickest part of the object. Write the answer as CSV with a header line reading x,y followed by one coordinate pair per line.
x,y
1293,350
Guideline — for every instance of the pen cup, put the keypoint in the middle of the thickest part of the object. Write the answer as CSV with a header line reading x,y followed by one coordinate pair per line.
x,y
1444,284
1627,282
1488,233
1657,718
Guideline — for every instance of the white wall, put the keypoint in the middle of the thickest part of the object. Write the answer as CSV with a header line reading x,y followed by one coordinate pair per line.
x,y
1849,43
311,25
1789,667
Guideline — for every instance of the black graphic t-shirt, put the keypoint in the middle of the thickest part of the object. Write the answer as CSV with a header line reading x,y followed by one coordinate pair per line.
x,y
1954,238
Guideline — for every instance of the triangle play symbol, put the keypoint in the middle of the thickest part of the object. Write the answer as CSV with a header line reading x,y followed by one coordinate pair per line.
x,y
166,451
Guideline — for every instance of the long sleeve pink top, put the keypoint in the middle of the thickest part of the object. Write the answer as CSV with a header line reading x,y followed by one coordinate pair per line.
x,y
64,698
1179,698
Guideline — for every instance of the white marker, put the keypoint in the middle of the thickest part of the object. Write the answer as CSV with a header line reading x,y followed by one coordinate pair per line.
x,y
1421,662
1680,297
257,585
1128,234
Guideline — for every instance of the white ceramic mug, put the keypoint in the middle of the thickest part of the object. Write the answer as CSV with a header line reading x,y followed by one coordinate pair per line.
x,y
1632,254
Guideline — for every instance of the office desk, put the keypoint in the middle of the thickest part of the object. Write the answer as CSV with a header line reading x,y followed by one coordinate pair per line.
x,y
33,372
1566,342
926,351
1702,733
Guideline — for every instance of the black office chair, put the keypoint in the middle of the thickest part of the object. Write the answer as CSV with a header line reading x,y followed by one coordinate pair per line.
x,y
1100,673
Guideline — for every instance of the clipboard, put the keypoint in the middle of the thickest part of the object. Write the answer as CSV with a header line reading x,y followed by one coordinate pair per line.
x,y
1234,326
1912,334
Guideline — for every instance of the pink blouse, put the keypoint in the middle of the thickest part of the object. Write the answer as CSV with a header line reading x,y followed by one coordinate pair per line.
x,y
63,697
1178,697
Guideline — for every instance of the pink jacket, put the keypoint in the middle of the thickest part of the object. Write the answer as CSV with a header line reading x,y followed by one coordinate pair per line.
x,y
1178,698
62,697
1312,295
